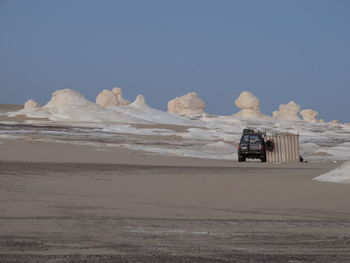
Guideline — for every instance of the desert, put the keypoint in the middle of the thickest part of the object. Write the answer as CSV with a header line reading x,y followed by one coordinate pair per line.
x,y
156,186
179,131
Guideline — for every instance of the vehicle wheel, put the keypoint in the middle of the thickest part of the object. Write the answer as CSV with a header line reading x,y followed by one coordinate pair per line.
x,y
263,159
241,159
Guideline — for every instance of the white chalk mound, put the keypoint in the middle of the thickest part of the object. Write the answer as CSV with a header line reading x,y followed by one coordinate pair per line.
x,y
189,104
106,98
119,94
71,106
31,104
109,98
31,109
67,98
289,111
139,102
249,106
339,175
309,115
334,122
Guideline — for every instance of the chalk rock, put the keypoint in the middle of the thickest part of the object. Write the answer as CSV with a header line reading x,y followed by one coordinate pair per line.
x,y
309,115
249,106
334,122
139,102
119,94
189,104
67,97
31,104
289,111
107,98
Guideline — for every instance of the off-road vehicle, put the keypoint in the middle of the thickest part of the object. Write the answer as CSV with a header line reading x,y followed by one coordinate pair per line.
x,y
252,145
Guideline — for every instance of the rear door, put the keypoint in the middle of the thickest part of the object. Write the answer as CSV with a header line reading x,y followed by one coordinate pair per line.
x,y
254,142
245,143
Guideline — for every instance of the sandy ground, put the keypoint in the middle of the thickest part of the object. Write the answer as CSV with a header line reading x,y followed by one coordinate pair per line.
x,y
137,207
62,202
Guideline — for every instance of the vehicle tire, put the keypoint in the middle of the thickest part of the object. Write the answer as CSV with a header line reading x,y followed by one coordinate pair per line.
x,y
241,159
263,159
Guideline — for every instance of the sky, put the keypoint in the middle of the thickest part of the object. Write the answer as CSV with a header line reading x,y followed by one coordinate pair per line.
x,y
278,50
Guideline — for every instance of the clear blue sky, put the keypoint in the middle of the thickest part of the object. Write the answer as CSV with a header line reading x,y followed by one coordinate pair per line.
x,y
279,50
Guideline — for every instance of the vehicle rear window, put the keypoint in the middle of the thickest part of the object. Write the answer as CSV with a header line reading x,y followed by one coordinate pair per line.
x,y
254,138
245,138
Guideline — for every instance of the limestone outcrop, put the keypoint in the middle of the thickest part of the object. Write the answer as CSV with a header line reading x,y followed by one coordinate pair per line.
x,y
309,115
289,111
139,102
31,104
189,104
119,94
249,106
109,98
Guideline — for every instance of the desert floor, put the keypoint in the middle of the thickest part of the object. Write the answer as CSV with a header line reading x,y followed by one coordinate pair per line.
x,y
71,202
83,205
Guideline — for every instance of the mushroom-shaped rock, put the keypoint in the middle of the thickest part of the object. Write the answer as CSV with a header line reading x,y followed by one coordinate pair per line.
x,y
189,104
31,104
287,111
249,106
107,98
119,94
309,115
139,102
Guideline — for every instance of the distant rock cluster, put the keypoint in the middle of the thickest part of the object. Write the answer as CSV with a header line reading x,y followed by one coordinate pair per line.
x,y
188,105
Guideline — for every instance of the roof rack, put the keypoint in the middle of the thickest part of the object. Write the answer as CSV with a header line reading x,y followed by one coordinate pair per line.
x,y
251,131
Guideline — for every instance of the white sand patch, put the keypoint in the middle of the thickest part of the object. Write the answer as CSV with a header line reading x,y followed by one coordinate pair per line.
x,y
338,175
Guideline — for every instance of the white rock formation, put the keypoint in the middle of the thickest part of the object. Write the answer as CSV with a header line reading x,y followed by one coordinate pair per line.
x,y
31,104
249,106
109,98
189,104
139,102
289,111
309,115
71,106
67,97
119,94
334,122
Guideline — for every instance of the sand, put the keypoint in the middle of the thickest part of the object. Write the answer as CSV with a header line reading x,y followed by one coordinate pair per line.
x,y
62,203
66,202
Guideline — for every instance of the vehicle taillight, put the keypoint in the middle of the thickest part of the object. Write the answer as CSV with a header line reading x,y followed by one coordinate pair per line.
x,y
239,147
261,147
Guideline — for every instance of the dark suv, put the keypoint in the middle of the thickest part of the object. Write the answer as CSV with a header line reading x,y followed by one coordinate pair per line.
x,y
252,145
